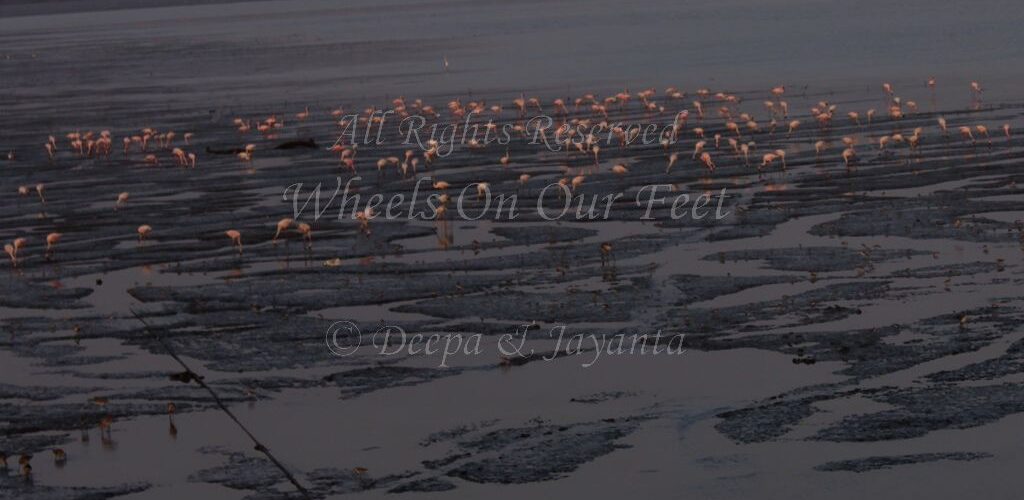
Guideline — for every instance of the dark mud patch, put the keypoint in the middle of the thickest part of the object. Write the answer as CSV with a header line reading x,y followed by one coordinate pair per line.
x,y
19,293
887,462
815,259
432,484
542,234
601,397
696,288
921,411
948,271
922,219
540,453
1010,363
16,487
618,303
40,393
456,432
821,305
365,380
259,475
765,422
872,352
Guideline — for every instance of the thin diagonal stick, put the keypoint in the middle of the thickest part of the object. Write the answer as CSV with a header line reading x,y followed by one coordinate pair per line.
x,y
192,376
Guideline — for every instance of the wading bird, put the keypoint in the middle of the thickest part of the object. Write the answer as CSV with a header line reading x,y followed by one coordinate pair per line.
x,y
51,243
12,253
983,131
966,133
24,461
16,246
236,239
672,159
364,220
282,226
606,253
307,234
848,155
697,149
709,164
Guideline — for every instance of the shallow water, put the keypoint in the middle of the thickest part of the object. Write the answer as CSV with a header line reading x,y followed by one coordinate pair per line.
x,y
819,264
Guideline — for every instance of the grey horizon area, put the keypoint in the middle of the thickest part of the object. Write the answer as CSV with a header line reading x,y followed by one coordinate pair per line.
x,y
849,331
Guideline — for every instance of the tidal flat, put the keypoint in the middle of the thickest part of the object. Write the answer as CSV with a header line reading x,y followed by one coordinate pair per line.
x,y
851,327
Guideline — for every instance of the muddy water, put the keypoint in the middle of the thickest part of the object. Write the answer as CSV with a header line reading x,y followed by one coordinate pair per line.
x,y
950,276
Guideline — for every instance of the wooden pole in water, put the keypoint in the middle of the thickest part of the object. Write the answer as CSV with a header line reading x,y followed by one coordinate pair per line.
x,y
191,375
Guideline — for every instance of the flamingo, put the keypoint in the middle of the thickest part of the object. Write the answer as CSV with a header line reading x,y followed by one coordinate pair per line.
x,y
307,234
671,161
983,130
782,156
282,226
848,154
698,148
606,253
705,158
236,239
12,253
364,220
966,133
144,231
51,242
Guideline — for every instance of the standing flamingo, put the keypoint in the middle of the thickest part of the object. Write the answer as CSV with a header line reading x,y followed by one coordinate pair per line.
x,y
51,242
236,239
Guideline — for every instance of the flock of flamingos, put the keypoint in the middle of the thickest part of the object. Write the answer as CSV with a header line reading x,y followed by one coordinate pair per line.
x,y
588,111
